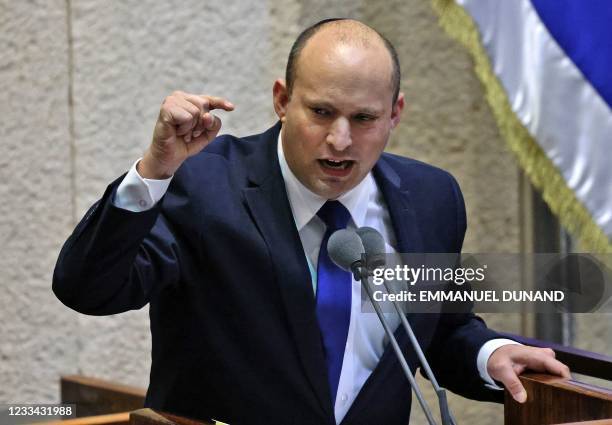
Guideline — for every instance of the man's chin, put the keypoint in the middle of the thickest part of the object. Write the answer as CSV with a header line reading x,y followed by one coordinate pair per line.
x,y
332,189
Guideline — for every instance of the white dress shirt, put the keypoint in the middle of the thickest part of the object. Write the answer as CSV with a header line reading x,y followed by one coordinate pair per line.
x,y
366,339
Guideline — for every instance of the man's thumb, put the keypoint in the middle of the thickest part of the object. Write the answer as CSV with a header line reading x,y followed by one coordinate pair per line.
x,y
517,390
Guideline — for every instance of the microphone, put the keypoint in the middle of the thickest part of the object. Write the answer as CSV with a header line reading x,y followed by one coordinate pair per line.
x,y
374,246
347,251
344,248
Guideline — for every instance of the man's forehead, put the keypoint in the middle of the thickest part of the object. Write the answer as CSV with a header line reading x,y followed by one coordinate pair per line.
x,y
354,77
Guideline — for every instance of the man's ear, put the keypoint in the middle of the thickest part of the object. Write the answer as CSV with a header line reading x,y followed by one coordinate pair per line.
x,y
280,97
396,112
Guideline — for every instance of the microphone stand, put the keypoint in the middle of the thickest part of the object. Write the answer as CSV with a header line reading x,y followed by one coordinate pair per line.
x,y
362,274
445,413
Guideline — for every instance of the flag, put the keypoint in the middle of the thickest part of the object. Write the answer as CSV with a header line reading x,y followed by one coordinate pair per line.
x,y
547,70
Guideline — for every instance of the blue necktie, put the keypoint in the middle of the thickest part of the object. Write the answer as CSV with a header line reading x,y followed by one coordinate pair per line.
x,y
333,296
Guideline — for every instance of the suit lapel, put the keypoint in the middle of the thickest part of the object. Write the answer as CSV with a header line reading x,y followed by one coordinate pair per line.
x,y
267,201
401,209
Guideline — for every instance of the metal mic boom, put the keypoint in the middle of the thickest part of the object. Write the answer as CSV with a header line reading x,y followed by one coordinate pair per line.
x,y
348,250
374,257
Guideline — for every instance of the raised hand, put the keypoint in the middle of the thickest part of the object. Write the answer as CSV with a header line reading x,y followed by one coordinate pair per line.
x,y
184,127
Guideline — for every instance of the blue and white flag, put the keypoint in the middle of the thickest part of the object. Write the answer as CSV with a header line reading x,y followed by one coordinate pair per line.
x,y
552,59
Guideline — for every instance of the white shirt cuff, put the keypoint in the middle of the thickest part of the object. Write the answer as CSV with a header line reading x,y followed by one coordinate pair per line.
x,y
483,358
138,194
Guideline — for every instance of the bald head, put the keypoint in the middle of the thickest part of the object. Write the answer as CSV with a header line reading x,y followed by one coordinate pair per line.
x,y
330,33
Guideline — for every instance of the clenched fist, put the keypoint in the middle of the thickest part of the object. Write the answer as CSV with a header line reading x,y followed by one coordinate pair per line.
x,y
184,127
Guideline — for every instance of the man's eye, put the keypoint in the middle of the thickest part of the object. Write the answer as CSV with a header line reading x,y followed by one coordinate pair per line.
x,y
363,117
320,111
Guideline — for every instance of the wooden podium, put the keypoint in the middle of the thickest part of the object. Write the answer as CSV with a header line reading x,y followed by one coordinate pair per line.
x,y
152,417
553,400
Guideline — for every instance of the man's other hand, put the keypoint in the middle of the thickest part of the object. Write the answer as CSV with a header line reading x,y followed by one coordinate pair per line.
x,y
509,361
184,127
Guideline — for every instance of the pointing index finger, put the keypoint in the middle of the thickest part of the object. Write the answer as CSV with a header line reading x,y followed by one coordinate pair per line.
x,y
215,102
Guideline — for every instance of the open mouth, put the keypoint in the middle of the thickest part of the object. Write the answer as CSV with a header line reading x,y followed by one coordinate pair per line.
x,y
335,165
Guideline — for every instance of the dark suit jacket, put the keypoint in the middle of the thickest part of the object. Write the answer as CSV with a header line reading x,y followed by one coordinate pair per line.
x,y
219,260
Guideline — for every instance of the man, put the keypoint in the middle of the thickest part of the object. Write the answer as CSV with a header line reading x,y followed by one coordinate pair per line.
x,y
231,255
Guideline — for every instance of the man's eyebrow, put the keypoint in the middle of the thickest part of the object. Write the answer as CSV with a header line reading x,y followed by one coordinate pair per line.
x,y
325,104
319,102
369,111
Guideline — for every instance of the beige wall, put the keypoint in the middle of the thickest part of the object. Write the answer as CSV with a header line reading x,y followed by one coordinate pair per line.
x,y
37,336
82,83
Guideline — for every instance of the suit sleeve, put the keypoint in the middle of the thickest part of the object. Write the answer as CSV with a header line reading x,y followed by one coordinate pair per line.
x,y
459,336
115,260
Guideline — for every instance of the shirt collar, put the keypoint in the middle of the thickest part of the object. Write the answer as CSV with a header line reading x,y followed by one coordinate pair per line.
x,y
305,204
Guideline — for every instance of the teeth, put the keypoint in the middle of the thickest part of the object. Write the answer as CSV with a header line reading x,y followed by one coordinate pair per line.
x,y
336,164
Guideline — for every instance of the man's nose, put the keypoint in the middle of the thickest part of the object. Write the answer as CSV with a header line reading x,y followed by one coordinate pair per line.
x,y
339,135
